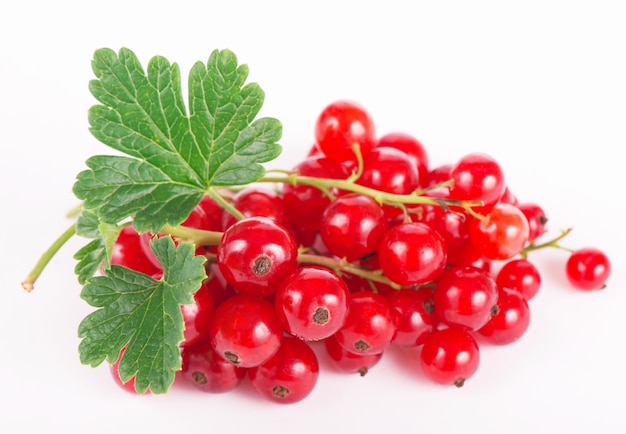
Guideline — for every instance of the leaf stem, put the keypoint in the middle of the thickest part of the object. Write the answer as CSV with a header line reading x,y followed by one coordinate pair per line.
x,y
29,283
225,204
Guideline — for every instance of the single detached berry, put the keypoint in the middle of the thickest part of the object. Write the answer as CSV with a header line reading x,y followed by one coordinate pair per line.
x,y
288,376
312,303
450,357
340,127
245,331
588,268
256,254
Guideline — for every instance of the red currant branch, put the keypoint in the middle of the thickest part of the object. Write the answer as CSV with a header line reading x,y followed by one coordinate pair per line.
x,y
339,266
554,243
417,197
29,283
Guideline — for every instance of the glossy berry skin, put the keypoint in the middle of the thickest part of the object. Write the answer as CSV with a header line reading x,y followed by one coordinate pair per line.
x,y
197,315
288,376
312,303
389,170
412,253
128,386
450,357
352,226
207,371
305,204
536,217
511,321
245,331
257,202
347,362
369,326
412,147
520,275
503,233
342,124
128,252
413,313
255,254
465,297
588,268
477,177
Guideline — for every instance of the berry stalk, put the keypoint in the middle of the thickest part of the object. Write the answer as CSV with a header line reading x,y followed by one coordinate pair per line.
x,y
29,283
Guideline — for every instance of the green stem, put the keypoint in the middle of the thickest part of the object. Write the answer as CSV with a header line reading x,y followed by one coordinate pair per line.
x,y
380,196
554,243
29,283
339,266
198,236
225,204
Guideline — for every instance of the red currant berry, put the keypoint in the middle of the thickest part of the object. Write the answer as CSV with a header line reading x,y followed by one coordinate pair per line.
x,y
450,356
412,253
369,325
129,385
257,202
312,303
477,177
245,331
197,315
465,297
288,376
389,170
305,204
128,252
588,268
347,362
352,226
510,322
414,318
342,125
255,254
520,275
501,234
207,370
412,147
536,217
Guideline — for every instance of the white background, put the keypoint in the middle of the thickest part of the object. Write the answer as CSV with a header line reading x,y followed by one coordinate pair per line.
x,y
539,85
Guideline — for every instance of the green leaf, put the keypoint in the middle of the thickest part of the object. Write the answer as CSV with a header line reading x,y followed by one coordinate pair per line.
x,y
172,157
142,315
89,259
98,251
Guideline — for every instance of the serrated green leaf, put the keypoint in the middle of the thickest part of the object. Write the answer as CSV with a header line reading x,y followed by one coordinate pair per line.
x,y
87,224
89,258
172,158
143,315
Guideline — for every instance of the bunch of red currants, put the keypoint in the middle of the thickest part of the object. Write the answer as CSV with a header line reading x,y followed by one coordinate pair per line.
x,y
361,246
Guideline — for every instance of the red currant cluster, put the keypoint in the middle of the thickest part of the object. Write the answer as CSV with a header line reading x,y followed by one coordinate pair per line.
x,y
362,245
